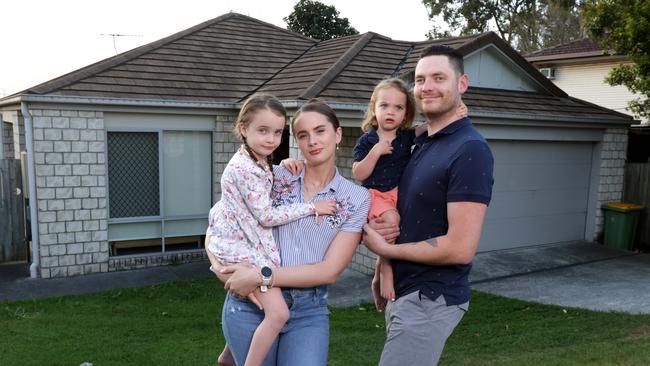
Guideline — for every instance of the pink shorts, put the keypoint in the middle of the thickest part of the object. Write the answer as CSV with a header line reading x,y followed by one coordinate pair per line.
x,y
381,202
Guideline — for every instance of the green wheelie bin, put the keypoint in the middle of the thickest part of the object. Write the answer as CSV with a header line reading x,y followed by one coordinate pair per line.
x,y
621,220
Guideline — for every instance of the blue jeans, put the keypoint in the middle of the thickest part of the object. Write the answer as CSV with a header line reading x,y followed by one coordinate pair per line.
x,y
304,339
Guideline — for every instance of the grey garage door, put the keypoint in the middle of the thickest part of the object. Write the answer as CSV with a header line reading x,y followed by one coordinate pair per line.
x,y
540,193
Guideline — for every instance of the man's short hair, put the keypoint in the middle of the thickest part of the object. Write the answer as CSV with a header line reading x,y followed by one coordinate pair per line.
x,y
455,58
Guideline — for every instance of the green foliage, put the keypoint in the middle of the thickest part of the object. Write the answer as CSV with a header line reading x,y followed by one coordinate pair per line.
x,y
178,324
527,25
623,26
317,20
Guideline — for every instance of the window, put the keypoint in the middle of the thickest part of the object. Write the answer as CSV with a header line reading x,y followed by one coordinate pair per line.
x,y
133,174
159,190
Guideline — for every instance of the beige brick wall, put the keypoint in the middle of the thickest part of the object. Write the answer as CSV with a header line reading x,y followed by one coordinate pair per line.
x,y
224,145
69,157
612,169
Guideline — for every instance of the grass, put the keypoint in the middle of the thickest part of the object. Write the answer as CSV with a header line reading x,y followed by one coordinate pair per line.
x,y
178,324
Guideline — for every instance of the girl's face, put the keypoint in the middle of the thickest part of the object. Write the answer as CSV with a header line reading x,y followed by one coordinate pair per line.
x,y
264,132
390,109
316,138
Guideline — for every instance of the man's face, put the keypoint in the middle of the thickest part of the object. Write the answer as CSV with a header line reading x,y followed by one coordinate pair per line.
x,y
437,88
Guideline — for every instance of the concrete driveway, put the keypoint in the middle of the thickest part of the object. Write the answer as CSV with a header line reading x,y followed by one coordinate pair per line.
x,y
573,274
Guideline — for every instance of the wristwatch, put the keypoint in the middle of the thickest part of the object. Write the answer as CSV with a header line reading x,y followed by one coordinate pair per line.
x,y
267,274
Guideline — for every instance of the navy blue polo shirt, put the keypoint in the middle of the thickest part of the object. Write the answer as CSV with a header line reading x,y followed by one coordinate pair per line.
x,y
453,165
389,167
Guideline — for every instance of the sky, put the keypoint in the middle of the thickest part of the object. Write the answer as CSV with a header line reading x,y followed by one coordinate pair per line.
x,y
43,39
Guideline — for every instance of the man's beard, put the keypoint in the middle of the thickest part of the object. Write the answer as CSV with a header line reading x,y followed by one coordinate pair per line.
x,y
442,111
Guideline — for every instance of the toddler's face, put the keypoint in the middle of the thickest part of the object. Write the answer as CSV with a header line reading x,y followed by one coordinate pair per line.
x,y
390,108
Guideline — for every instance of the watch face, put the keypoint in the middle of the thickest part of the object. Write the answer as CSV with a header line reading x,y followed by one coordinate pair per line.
x,y
267,272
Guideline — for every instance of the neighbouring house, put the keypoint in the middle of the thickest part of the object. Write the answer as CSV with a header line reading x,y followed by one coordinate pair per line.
x,y
124,156
579,68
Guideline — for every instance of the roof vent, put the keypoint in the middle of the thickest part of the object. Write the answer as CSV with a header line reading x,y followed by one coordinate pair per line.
x,y
549,72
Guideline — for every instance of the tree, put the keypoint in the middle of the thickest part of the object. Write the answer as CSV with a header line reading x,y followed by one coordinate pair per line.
x,y
317,20
623,26
527,25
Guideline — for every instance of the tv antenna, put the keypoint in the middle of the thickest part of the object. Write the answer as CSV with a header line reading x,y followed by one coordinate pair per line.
x,y
115,35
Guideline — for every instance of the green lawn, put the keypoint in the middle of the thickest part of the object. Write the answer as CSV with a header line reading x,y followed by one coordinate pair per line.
x,y
178,324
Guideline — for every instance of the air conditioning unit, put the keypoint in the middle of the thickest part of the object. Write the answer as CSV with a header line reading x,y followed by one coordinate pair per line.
x,y
549,72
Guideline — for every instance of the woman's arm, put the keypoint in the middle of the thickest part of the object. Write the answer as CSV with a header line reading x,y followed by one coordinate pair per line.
x,y
216,267
339,254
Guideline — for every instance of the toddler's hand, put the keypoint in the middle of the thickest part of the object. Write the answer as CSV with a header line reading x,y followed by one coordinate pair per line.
x,y
327,207
293,166
462,110
383,147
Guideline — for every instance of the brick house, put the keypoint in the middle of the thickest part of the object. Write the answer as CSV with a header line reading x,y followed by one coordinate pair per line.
x,y
124,156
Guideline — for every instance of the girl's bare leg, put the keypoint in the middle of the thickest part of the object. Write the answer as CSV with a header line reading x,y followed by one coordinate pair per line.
x,y
276,315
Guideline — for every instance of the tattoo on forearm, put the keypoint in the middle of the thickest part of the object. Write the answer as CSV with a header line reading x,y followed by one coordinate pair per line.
x,y
432,241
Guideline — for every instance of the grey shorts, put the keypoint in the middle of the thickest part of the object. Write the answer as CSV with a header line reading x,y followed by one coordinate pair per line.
x,y
417,329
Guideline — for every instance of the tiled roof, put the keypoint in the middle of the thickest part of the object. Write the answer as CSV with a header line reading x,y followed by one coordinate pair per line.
x,y
222,59
228,58
578,46
538,106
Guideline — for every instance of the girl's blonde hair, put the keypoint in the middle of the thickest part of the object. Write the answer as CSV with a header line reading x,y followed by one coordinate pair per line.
x,y
252,105
370,119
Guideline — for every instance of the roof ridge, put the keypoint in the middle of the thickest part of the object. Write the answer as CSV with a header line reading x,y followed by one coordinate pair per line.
x,y
116,60
326,78
278,27
400,65
270,78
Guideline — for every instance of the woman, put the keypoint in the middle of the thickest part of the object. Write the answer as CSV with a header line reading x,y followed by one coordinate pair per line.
x,y
313,251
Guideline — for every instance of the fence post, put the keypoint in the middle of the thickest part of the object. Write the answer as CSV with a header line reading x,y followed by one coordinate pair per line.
x,y
636,189
12,223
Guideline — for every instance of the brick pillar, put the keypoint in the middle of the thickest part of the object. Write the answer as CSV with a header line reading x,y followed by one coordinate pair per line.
x,y
69,156
612,170
224,145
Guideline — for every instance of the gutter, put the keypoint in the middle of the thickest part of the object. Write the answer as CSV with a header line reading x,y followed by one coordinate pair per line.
x,y
31,177
34,98
289,104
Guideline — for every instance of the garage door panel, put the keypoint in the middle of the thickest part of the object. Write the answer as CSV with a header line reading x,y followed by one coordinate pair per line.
x,y
510,177
509,233
540,194
540,152
538,203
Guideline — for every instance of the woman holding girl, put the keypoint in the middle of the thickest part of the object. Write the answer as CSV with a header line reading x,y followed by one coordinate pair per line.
x,y
313,250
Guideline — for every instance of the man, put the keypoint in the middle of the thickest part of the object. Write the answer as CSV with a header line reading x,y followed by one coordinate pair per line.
x,y
443,197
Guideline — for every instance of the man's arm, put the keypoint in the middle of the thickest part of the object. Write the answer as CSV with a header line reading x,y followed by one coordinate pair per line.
x,y
458,246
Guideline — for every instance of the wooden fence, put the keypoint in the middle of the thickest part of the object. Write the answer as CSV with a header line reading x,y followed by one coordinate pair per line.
x,y
636,189
12,220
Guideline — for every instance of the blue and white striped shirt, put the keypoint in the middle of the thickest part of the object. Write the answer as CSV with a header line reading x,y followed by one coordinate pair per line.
x,y
305,241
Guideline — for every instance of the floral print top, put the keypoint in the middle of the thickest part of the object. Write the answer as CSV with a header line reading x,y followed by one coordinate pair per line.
x,y
240,224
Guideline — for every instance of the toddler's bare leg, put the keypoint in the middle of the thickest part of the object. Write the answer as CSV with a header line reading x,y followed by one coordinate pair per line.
x,y
387,288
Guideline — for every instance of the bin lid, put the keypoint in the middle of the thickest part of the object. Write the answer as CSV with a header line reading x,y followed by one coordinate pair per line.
x,y
622,206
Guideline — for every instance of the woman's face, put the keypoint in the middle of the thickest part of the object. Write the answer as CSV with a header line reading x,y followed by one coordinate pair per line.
x,y
316,138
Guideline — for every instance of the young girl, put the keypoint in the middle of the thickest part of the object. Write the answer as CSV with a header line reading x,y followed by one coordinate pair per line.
x,y
382,153
240,223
